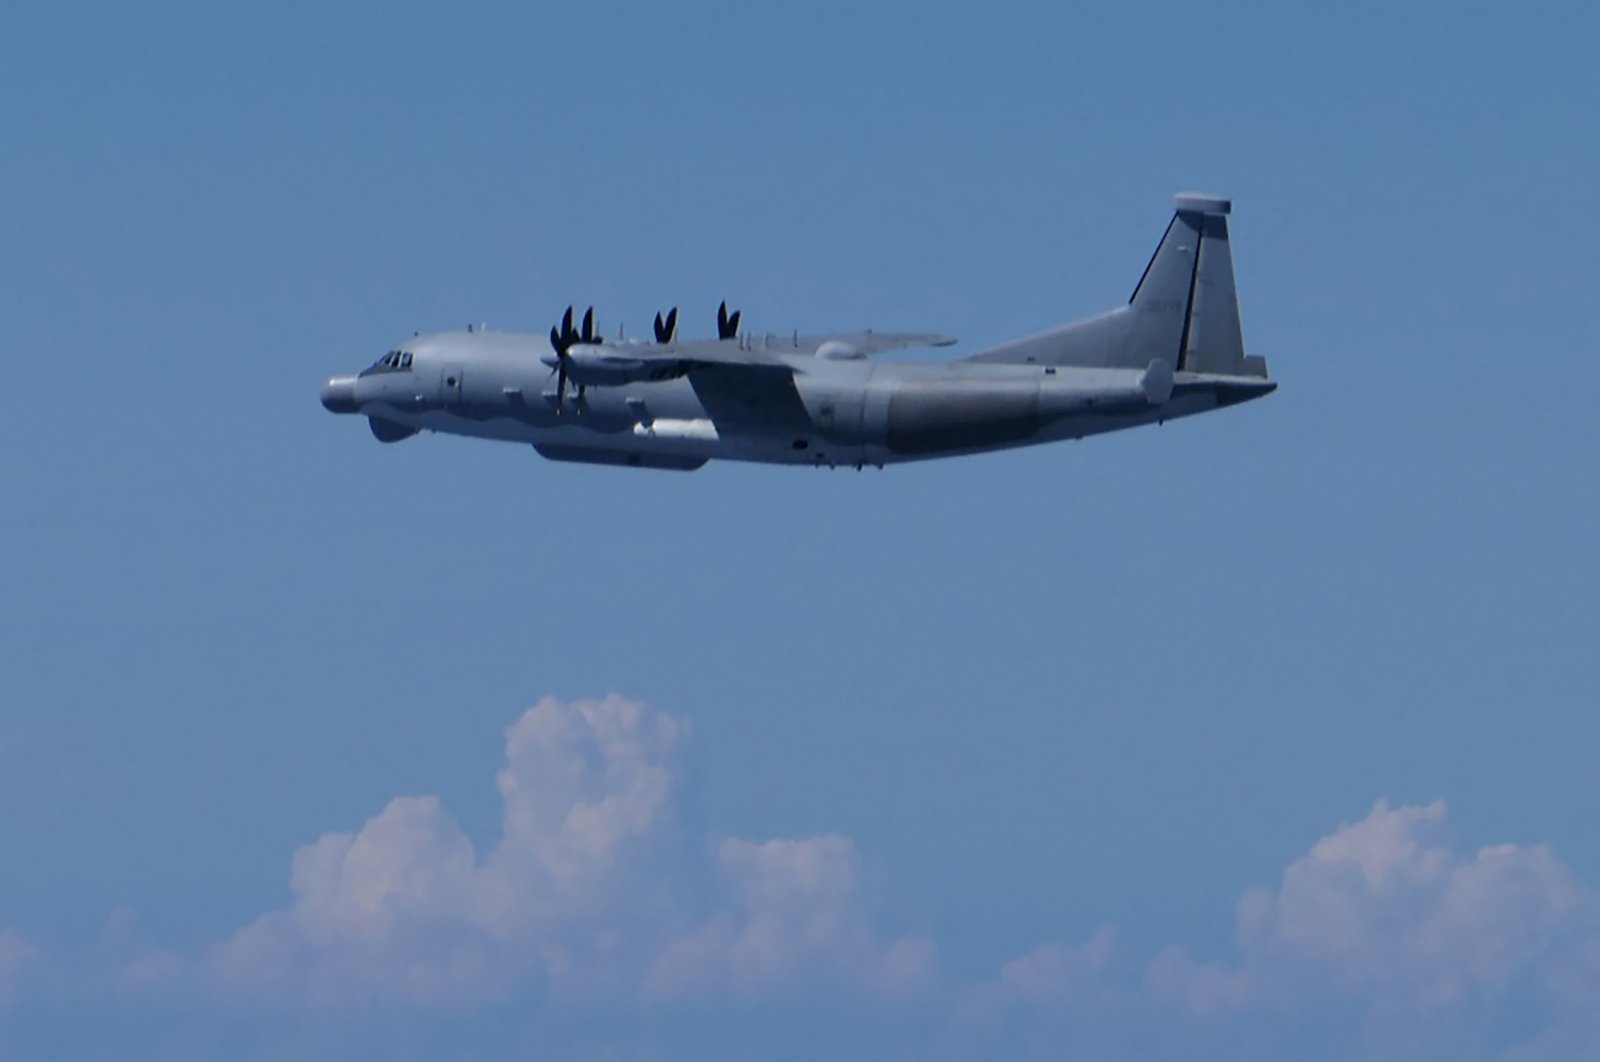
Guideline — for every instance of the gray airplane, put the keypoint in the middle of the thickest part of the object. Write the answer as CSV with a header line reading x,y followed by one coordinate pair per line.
x,y
1174,350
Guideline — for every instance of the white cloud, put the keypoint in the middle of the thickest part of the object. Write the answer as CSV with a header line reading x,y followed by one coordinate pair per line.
x,y
595,890
1384,934
1056,973
1385,939
1062,981
1386,910
793,906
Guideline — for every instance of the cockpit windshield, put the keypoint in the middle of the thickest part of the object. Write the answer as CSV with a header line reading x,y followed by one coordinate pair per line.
x,y
394,361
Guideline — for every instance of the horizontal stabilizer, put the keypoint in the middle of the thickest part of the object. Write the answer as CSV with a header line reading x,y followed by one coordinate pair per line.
x,y
1156,383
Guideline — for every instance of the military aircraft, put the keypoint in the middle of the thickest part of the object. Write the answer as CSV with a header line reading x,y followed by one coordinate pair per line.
x,y
1174,350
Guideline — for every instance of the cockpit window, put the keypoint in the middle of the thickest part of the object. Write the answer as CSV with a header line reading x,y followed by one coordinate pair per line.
x,y
394,361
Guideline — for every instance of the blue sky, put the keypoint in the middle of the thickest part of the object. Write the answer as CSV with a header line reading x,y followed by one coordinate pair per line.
x,y
1120,683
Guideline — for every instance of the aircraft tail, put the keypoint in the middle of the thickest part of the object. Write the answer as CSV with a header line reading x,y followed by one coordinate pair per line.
x,y
1184,311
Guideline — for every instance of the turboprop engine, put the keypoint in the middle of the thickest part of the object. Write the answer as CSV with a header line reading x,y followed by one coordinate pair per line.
x,y
606,366
579,355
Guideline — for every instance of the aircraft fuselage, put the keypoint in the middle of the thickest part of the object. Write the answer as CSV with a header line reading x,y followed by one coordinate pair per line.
x,y
493,385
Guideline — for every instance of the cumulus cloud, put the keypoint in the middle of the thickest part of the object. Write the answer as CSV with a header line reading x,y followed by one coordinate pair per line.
x,y
594,890
1056,974
790,904
1385,939
1386,910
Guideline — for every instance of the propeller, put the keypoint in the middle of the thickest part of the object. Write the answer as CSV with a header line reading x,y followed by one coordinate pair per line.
x,y
562,339
727,326
667,328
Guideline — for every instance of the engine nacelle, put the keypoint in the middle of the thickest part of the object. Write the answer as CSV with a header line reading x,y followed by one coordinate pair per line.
x,y
839,350
599,366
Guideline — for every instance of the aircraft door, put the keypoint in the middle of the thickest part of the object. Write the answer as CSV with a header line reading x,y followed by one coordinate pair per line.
x,y
449,385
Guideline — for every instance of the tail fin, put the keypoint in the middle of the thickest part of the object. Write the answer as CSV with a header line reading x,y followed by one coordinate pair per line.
x,y
1185,308
1184,311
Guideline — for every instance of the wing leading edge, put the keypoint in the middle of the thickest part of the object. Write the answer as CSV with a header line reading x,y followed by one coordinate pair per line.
x,y
606,364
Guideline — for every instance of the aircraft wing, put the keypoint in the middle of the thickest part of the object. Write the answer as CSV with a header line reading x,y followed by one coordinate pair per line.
x,y
858,344
750,380
762,352
746,357
611,365
698,355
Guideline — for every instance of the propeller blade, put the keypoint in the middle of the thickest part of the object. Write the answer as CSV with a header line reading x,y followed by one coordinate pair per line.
x,y
661,328
672,324
722,320
588,325
562,338
733,324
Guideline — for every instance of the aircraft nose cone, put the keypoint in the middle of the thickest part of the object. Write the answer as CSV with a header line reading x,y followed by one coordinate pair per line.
x,y
339,395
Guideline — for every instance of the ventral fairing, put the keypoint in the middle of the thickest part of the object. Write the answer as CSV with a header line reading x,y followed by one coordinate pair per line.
x,y
1174,350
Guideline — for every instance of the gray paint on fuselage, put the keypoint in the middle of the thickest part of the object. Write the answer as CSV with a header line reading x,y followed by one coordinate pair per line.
x,y
843,412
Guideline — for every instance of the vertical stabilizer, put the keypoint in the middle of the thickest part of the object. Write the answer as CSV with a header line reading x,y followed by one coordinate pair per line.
x,y
1157,311
1185,307
1213,341
1184,311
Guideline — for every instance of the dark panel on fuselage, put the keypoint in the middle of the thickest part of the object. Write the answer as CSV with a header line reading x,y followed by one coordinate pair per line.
x,y
930,416
389,431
